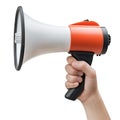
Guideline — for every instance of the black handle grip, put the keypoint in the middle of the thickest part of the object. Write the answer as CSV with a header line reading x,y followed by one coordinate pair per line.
x,y
73,93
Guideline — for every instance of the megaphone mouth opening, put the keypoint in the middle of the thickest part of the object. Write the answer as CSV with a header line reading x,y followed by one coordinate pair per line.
x,y
19,38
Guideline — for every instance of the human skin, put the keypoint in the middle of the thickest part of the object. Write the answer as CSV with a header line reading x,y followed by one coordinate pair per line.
x,y
90,97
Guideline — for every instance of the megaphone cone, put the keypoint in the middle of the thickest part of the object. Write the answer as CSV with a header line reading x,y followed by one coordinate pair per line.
x,y
32,38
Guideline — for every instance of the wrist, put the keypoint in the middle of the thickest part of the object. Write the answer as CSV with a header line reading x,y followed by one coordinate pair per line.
x,y
91,98
95,108
88,96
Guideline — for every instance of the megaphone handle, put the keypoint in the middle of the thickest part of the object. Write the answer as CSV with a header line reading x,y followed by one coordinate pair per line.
x,y
73,93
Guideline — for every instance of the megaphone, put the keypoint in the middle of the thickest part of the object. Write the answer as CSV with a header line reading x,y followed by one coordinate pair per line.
x,y
82,40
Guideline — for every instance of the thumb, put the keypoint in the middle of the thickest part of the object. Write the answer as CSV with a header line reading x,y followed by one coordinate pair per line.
x,y
84,67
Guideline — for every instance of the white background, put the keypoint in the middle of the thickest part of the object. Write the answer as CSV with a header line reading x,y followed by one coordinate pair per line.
x,y
37,91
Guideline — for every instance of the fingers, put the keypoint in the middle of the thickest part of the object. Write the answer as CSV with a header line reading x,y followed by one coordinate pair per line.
x,y
69,69
71,85
72,71
75,70
79,66
70,59
84,67
72,81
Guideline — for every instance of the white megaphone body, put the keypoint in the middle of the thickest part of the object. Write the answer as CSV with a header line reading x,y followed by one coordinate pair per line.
x,y
82,40
37,38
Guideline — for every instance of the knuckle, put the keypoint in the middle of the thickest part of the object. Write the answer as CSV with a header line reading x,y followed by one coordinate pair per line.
x,y
66,67
67,77
69,59
66,84
70,70
70,78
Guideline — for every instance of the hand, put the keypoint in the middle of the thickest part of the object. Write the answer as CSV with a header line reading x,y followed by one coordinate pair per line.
x,y
75,70
90,97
